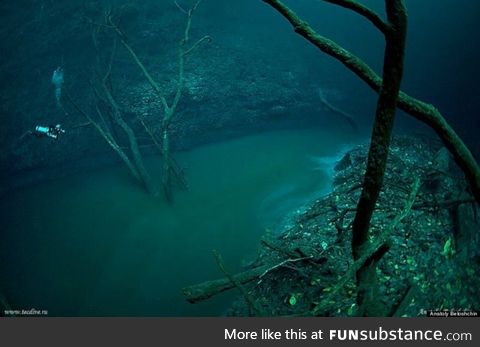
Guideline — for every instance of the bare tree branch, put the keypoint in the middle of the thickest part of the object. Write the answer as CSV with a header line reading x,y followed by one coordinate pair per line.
x,y
363,11
248,298
137,60
348,117
370,250
420,110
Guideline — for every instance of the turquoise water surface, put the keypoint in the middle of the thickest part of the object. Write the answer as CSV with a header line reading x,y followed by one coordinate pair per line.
x,y
96,244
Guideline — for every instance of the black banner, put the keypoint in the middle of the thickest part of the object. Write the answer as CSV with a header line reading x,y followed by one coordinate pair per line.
x,y
236,331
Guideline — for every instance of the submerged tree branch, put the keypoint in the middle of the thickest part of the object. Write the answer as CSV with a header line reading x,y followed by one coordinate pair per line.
x,y
248,298
383,124
371,250
348,118
420,110
205,290
107,136
363,11
169,110
139,63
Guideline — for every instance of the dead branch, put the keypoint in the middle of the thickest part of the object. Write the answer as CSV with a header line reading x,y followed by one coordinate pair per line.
x,y
281,264
393,66
409,294
104,73
206,290
444,204
347,117
282,251
177,171
363,11
82,125
248,298
170,172
373,250
206,38
420,110
107,136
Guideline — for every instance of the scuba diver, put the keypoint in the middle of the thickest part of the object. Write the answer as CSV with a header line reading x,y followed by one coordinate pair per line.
x,y
51,131
57,81
48,131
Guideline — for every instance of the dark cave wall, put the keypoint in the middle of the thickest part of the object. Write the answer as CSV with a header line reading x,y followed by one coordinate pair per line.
x,y
233,86
256,74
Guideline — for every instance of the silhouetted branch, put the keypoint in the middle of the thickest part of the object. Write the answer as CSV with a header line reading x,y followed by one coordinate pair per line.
x,y
169,110
409,294
373,250
420,110
206,290
248,298
363,11
107,136
348,118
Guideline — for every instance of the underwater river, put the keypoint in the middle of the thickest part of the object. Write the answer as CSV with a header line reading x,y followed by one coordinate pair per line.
x,y
96,244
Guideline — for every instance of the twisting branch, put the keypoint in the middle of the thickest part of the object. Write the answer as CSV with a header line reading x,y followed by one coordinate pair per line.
x,y
180,7
420,110
205,290
107,136
206,38
371,250
348,118
81,125
399,309
375,252
177,170
383,124
134,147
283,263
367,293
363,11
248,298
169,110
139,63
103,91
445,204
409,203
183,50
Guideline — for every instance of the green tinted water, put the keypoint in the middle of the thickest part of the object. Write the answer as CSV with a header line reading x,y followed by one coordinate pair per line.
x,y
96,244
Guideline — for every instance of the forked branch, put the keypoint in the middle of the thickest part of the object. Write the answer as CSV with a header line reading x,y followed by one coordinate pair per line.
x,y
420,110
363,11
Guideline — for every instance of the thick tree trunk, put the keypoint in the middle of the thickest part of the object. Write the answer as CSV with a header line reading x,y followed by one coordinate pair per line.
x,y
420,110
105,132
137,157
384,121
206,290
132,139
170,172
378,154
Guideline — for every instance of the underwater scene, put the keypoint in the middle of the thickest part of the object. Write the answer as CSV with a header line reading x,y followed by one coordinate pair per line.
x,y
239,158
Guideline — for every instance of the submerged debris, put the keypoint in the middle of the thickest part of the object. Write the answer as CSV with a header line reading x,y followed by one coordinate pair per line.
x,y
433,261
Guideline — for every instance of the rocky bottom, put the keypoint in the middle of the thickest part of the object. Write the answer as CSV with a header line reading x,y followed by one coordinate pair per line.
x,y
433,261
